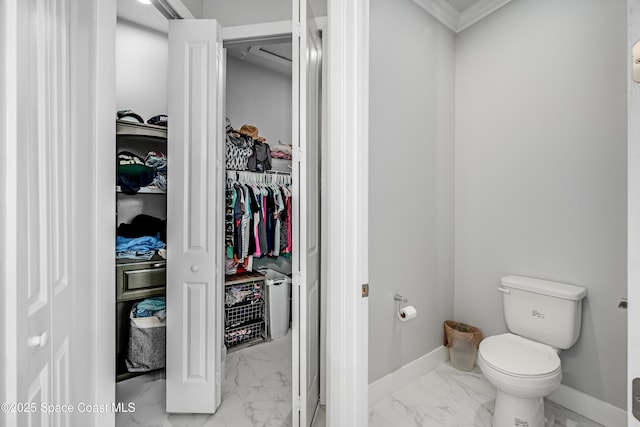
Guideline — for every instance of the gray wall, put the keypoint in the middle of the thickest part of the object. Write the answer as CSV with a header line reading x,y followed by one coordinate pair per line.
x,y
142,62
541,171
411,181
261,97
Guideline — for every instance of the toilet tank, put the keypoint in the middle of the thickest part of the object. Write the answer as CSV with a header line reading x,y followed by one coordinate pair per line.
x,y
542,310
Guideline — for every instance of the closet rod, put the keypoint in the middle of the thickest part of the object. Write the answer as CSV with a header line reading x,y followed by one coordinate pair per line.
x,y
261,173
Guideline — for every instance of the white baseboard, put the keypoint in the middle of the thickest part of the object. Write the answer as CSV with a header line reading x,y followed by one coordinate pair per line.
x,y
397,379
601,412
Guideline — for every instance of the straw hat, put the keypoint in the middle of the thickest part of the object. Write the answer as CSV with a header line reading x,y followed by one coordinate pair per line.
x,y
249,130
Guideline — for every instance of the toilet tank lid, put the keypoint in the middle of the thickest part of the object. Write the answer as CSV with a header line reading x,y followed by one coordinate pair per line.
x,y
545,287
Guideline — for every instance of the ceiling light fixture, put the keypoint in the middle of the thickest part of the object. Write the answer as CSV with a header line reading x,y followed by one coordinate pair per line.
x,y
145,1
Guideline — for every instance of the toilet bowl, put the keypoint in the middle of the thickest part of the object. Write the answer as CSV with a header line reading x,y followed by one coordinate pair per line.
x,y
523,372
523,364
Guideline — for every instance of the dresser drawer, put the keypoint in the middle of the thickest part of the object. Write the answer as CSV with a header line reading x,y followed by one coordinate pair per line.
x,y
140,280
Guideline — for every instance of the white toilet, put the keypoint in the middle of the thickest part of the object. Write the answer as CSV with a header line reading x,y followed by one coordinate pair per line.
x,y
543,317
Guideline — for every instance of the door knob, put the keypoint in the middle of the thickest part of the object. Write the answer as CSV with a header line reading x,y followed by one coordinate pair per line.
x,y
39,340
195,268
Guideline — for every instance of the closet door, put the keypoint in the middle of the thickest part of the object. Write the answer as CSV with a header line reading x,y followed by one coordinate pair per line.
x,y
194,216
39,277
306,217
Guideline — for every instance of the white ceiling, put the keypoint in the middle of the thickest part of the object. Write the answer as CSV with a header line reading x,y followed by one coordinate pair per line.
x,y
455,14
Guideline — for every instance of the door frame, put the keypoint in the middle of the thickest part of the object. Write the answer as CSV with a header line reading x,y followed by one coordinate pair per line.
x,y
347,212
633,211
103,133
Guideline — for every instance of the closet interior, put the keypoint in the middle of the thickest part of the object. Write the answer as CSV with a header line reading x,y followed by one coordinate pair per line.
x,y
141,212
257,244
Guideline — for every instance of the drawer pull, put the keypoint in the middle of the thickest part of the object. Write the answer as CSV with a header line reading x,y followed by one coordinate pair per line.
x,y
157,265
195,268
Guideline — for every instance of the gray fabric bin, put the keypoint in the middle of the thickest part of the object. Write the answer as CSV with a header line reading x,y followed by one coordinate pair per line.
x,y
147,343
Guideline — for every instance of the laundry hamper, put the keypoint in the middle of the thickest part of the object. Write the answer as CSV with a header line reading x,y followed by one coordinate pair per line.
x,y
279,309
147,343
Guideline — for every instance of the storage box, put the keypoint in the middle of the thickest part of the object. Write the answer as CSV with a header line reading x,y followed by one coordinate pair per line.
x,y
281,165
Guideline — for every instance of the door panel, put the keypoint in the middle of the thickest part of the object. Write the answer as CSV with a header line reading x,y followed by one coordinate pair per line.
x,y
306,81
312,187
194,215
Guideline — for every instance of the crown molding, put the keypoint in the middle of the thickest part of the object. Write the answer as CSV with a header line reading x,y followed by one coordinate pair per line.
x,y
452,19
479,11
442,11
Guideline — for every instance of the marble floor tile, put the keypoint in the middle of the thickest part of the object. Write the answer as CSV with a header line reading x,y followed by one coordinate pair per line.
x,y
256,392
443,397
447,397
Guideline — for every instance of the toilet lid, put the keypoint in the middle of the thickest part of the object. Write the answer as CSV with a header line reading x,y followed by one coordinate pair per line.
x,y
515,355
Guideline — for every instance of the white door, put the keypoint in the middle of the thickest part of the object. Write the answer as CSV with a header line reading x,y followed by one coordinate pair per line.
x,y
39,295
194,210
306,217
633,280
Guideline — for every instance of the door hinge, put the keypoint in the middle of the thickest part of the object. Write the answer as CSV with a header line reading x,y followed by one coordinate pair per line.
x,y
299,29
298,279
298,154
217,378
365,290
297,403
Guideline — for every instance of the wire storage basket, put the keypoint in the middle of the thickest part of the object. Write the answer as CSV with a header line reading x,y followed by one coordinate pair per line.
x,y
245,303
244,333
243,293
238,315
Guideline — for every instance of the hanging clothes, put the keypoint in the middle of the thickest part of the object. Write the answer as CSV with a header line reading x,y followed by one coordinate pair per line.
x,y
257,218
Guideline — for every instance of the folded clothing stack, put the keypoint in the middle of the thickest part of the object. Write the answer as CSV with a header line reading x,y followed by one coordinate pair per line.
x,y
144,225
133,174
143,248
281,151
149,307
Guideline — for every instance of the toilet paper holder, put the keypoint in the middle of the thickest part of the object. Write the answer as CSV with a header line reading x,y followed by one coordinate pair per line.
x,y
399,298
404,313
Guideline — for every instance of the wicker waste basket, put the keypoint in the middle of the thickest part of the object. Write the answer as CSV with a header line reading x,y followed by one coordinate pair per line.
x,y
463,341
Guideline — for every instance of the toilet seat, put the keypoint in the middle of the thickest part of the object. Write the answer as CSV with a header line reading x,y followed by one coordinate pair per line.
x,y
516,356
